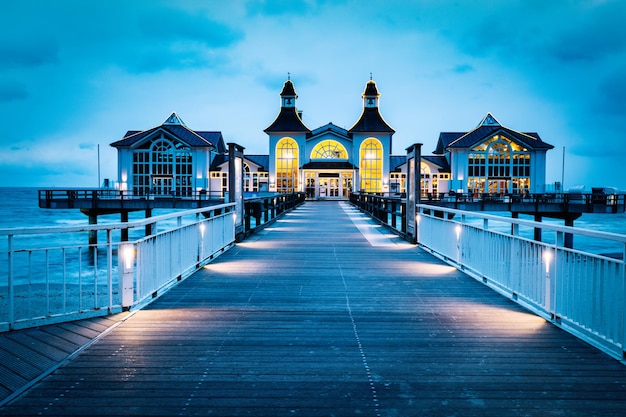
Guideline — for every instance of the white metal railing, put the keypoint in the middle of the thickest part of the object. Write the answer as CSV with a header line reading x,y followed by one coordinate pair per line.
x,y
161,260
51,274
582,292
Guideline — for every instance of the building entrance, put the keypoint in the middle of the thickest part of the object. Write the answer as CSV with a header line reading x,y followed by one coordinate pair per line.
x,y
498,186
328,185
162,186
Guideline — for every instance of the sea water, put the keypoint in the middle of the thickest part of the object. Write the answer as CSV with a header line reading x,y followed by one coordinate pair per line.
x,y
19,207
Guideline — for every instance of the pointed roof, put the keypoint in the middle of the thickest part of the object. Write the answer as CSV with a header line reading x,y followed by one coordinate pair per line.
x,y
174,120
288,119
174,127
487,128
371,120
330,128
288,89
489,120
370,89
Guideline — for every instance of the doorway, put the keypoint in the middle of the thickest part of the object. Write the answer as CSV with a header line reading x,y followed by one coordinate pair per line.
x,y
162,186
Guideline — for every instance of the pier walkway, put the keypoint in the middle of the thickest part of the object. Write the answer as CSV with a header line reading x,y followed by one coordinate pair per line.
x,y
323,314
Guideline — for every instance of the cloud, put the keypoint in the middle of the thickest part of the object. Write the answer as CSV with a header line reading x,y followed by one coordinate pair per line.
x,y
463,68
283,7
21,52
12,91
611,93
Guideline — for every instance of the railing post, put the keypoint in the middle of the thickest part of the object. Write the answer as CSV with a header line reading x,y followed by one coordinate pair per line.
x,y
10,283
125,261
110,267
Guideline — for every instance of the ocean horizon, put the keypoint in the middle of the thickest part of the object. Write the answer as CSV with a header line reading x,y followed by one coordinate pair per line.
x,y
19,207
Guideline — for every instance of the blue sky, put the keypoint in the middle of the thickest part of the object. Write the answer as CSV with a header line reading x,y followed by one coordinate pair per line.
x,y
77,74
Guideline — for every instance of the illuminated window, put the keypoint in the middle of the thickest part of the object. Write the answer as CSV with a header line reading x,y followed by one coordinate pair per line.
x,y
287,166
498,166
371,166
329,149
162,167
426,182
397,182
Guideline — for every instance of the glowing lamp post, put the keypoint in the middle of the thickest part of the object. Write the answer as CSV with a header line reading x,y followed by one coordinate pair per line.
x,y
457,231
547,260
126,264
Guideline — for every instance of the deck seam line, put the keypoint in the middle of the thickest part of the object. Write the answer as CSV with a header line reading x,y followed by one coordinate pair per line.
x,y
358,340
16,394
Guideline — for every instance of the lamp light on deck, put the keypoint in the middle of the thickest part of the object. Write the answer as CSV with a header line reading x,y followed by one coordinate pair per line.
x,y
202,228
457,230
418,217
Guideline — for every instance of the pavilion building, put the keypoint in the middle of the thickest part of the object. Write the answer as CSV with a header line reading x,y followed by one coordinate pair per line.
x,y
330,162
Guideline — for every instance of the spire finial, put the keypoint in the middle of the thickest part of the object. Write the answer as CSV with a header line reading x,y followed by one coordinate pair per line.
x,y
288,76
370,76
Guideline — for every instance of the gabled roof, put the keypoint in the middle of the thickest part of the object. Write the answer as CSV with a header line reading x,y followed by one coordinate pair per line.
x,y
330,127
396,161
438,160
173,126
371,121
488,127
445,139
529,140
287,120
262,161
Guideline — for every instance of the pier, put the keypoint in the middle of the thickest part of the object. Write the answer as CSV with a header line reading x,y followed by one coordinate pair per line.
x,y
323,313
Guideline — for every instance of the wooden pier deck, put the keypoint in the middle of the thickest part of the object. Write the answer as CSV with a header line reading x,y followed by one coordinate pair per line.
x,y
323,314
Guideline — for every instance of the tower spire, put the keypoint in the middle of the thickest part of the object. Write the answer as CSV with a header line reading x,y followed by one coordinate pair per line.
x,y
370,95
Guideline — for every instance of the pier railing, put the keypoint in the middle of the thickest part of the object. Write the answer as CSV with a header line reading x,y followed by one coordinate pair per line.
x,y
51,274
581,290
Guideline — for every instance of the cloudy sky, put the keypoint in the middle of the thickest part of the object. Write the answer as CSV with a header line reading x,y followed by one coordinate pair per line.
x,y
75,75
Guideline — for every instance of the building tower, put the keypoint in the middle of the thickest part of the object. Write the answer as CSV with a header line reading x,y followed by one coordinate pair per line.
x,y
371,136
287,141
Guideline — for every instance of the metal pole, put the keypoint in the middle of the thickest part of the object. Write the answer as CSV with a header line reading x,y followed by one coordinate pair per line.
x,y
563,172
98,166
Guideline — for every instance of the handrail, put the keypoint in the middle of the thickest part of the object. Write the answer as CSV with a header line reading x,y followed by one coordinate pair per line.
x,y
579,291
47,284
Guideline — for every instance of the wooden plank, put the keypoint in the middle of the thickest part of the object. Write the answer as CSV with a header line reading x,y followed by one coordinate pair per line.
x,y
307,318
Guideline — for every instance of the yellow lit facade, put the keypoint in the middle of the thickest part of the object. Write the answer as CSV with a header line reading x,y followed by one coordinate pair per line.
x,y
329,162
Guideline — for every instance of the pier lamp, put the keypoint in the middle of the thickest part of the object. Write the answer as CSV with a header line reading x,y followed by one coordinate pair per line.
x,y
547,258
202,228
126,261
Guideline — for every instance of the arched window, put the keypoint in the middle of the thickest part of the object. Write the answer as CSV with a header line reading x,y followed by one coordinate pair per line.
x,y
371,166
162,157
329,149
163,167
287,165
498,166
